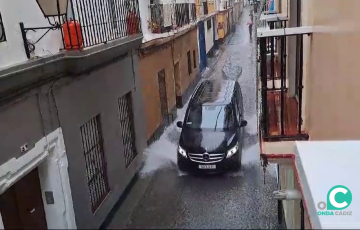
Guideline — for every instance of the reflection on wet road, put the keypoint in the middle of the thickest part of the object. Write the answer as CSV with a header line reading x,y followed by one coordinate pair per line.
x,y
234,200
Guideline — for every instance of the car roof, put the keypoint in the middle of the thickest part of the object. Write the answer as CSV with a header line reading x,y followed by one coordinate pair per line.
x,y
214,92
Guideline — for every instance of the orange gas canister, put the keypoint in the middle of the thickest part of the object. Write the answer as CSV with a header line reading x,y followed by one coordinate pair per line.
x,y
72,35
132,21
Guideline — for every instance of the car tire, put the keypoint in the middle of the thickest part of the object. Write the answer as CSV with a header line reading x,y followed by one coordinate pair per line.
x,y
181,165
237,164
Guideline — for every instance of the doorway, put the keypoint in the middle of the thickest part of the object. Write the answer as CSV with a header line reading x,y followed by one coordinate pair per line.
x,y
163,96
21,206
177,84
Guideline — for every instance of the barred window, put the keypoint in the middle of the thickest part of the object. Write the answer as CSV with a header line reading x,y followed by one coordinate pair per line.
x,y
189,62
127,128
96,169
2,30
205,5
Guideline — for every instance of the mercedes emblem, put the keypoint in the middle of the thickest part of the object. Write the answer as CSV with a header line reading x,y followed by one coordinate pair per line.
x,y
206,156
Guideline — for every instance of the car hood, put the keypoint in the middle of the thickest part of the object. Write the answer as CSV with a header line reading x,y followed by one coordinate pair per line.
x,y
206,141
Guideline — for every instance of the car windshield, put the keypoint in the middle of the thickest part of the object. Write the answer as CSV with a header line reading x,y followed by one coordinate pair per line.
x,y
216,118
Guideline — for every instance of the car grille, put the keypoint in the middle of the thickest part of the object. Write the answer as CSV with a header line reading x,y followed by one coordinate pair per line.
x,y
212,157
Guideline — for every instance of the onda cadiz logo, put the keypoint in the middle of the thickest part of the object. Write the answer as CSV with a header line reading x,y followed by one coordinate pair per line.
x,y
338,198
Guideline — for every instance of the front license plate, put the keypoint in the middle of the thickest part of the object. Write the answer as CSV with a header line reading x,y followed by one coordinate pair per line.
x,y
207,166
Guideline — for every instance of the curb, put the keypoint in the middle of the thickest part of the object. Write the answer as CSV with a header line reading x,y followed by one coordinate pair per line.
x,y
110,216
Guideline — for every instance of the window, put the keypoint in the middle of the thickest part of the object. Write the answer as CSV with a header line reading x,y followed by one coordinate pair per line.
x,y
182,14
205,5
96,171
189,62
208,22
216,118
2,30
127,128
194,58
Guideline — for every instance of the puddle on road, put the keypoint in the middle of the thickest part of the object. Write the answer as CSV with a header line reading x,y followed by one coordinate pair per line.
x,y
162,153
251,128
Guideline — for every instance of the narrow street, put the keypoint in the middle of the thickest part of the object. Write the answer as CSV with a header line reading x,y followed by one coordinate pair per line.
x,y
165,198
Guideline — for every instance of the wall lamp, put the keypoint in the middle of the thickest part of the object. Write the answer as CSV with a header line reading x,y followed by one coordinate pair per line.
x,y
50,9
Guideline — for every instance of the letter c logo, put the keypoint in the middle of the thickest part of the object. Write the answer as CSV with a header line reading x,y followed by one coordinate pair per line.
x,y
332,198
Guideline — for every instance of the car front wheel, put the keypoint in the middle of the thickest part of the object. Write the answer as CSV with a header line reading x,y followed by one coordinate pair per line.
x,y
181,164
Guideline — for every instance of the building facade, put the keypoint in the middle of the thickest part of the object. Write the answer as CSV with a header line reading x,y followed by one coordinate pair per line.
x,y
207,35
214,16
301,97
228,15
70,102
168,61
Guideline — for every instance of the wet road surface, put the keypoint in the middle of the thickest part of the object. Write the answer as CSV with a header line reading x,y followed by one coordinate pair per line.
x,y
166,198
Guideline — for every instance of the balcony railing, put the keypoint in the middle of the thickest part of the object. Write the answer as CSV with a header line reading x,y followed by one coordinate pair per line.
x,y
88,23
102,21
281,112
166,17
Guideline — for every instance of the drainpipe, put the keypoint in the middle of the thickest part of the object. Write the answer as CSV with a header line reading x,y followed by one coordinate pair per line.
x,y
291,194
288,194
302,215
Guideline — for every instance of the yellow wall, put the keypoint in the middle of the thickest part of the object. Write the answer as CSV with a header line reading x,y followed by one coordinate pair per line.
x,y
211,7
222,19
197,6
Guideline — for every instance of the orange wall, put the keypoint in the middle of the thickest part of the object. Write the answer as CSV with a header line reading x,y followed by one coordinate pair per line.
x,y
149,67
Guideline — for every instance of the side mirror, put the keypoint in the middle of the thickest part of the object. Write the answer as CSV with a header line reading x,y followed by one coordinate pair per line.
x,y
179,124
243,123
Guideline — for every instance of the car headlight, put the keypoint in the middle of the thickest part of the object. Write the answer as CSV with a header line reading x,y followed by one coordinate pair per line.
x,y
232,151
182,151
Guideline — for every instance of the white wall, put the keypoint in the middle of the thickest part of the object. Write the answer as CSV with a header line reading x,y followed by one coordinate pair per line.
x,y
145,15
15,11
217,4
49,155
209,35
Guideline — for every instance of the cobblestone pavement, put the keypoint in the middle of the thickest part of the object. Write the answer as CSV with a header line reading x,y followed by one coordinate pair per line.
x,y
165,198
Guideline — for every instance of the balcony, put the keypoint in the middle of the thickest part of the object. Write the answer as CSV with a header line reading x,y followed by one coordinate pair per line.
x,y
104,21
167,17
87,24
281,95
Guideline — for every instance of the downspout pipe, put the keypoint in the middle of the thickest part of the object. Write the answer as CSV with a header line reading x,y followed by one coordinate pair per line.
x,y
287,194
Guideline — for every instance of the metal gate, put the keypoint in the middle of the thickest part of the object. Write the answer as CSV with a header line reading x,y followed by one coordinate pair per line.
x,y
163,96
126,118
202,46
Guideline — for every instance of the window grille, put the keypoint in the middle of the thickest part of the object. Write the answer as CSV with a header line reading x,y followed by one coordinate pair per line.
x,y
96,169
127,129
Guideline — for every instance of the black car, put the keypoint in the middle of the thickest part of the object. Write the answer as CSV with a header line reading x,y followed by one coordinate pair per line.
x,y
212,131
